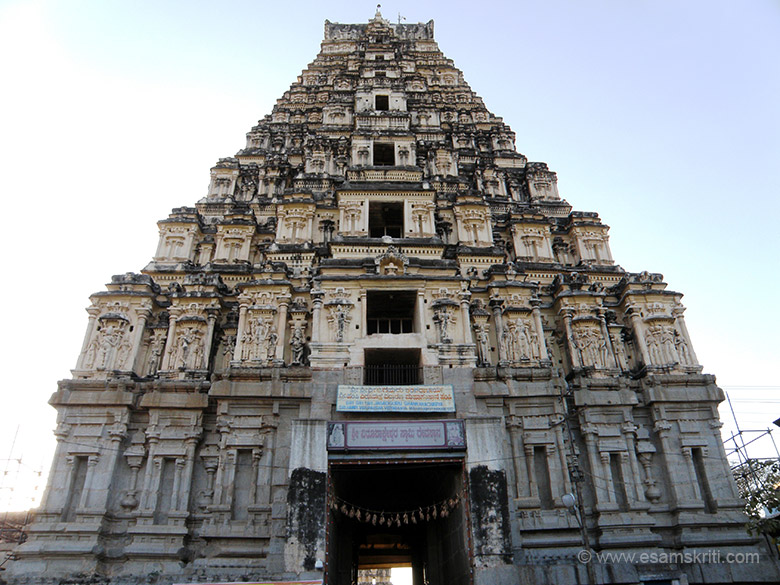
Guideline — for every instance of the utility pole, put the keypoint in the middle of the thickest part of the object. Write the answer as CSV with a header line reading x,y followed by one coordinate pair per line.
x,y
574,501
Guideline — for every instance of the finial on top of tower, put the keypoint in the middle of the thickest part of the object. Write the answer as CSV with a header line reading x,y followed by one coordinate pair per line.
x,y
378,13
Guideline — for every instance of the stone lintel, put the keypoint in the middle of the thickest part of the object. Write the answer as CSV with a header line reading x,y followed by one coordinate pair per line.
x,y
158,399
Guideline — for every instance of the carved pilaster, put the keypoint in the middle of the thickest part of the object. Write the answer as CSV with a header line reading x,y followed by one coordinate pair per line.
x,y
573,350
634,314
496,304
136,359
283,302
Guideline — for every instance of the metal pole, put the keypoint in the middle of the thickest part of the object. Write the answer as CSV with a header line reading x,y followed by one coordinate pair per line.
x,y
576,478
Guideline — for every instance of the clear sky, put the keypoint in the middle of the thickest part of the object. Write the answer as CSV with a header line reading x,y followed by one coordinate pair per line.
x,y
662,116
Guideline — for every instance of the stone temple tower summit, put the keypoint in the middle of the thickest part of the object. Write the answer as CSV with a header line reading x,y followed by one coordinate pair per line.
x,y
383,339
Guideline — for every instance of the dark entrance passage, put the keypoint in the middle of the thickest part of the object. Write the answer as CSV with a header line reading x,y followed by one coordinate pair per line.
x,y
392,367
387,514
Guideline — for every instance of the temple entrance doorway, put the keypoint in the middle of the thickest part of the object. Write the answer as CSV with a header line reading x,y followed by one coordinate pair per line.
x,y
400,513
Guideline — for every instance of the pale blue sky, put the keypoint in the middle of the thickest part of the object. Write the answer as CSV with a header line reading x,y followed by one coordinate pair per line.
x,y
662,116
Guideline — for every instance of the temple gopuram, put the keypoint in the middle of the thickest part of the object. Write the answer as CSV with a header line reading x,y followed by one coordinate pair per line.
x,y
383,339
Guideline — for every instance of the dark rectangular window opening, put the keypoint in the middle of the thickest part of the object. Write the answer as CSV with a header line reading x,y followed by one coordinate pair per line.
x,y
390,311
382,103
384,154
385,218
392,367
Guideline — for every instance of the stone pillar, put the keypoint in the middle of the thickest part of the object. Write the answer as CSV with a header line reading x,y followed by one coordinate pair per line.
x,y
265,469
518,455
693,480
420,312
239,347
559,443
574,353
154,487
495,304
93,313
629,430
92,462
178,467
100,484
210,464
316,297
533,490
594,458
256,455
611,361
465,296
136,362
169,343
148,495
212,319
606,470
537,317
189,462
229,478
634,314
284,302
664,430
61,434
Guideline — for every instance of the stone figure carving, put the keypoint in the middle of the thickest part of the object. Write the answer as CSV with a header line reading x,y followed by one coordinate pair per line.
x,y
91,355
666,346
109,349
524,348
510,342
591,346
336,437
273,338
248,187
521,343
338,319
259,342
443,317
620,352
483,344
297,344
189,349
156,352
123,354
109,338
228,347
248,343
682,349
659,342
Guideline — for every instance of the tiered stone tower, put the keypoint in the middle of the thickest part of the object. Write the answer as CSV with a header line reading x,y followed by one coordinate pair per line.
x,y
382,339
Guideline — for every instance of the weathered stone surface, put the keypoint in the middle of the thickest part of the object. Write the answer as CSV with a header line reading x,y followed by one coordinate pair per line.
x,y
380,228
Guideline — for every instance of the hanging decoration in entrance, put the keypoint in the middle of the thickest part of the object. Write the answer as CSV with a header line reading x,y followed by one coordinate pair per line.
x,y
440,509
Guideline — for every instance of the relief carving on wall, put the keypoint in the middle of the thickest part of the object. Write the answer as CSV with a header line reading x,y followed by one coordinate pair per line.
x,y
111,345
667,346
520,341
188,349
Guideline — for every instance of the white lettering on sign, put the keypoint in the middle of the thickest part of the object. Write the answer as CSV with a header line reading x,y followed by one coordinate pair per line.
x,y
345,435
395,399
